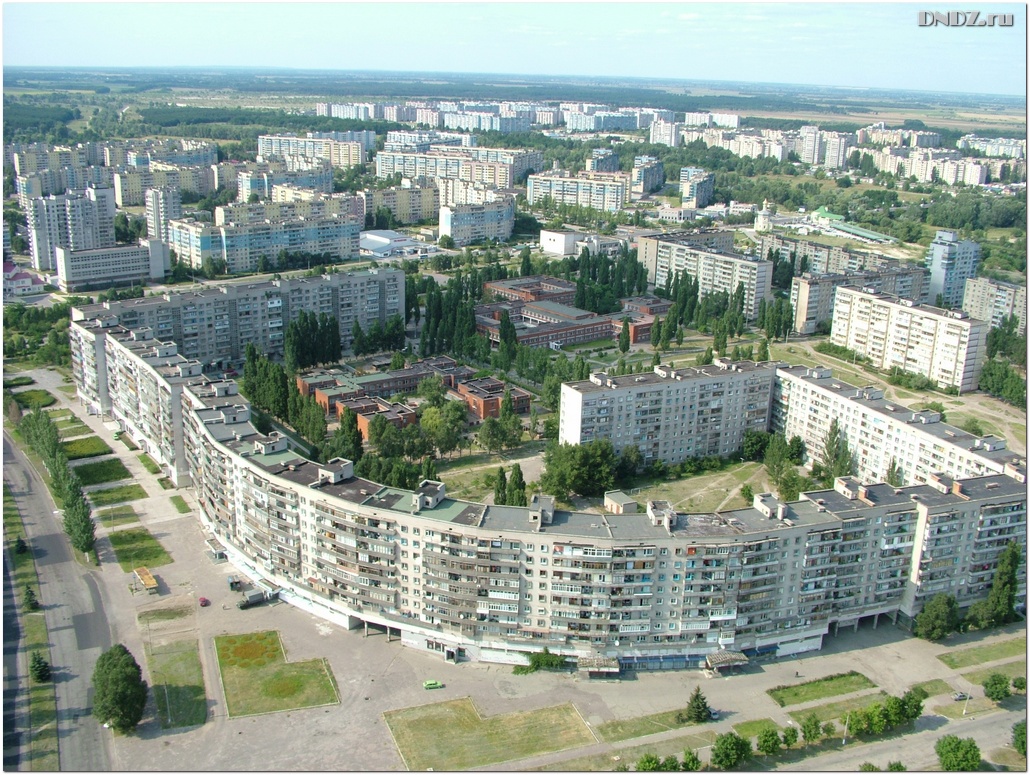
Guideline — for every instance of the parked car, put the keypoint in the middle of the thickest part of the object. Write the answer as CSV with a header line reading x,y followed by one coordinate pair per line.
x,y
432,685
204,602
713,714
959,696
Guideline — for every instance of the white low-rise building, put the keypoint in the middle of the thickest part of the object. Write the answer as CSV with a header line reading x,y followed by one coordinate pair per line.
x,y
100,268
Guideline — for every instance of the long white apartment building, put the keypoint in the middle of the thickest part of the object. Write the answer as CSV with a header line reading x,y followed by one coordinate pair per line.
x,y
101,268
654,590
60,180
806,400
608,191
162,205
827,259
649,244
713,269
242,245
215,325
339,153
946,346
812,295
498,167
131,185
409,204
318,205
316,174
992,300
671,414
77,220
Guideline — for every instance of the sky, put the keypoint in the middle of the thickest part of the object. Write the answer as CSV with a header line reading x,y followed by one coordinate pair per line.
x,y
862,45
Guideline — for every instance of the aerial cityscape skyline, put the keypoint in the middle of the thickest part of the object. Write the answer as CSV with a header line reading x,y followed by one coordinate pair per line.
x,y
857,45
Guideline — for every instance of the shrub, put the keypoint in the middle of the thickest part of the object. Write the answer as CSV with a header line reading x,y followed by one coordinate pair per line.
x,y
1019,683
39,668
996,687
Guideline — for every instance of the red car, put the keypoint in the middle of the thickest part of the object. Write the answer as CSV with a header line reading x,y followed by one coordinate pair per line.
x,y
204,602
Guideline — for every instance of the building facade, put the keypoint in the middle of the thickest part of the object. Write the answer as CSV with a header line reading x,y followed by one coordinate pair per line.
x,y
948,347
671,414
78,220
492,220
162,205
101,268
648,245
812,295
951,262
992,300
608,191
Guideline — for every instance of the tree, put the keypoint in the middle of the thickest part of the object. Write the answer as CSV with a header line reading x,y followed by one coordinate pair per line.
x,y
895,478
747,493
828,728
938,618
996,687
446,242
516,492
433,390
790,736
896,767
119,691
691,761
768,742
957,755
755,443
1019,683
913,702
39,668
868,767
762,354
526,267
796,450
624,336
729,750
1019,737
30,600
838,459
775,458
500,488
698,711
649,762
491,435
810,728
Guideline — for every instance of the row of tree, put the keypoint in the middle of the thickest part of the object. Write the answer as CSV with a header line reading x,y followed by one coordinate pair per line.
x,y
270,389
41,434
312,339
940,616
378,337
510,492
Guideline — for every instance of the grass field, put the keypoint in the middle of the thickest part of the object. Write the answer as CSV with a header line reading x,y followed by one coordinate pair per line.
x,y
749,729
149,464
956,710
135,547
257,678
166,483
163,614
624,729
177,683
19,381
40,742
935,687
102,471
127,492
90,446
606,762
27,399
1011,669
977,655
119,515
128,442
453,736
830,686
180,504
836,710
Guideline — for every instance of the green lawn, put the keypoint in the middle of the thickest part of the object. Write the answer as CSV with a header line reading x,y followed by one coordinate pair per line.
x,y
180,504
606,762
977,655
40,751
177,683
749,729
126,492
624,729
69,390
102,471
128,442
149,464
136,548
19,381
166,483
27,399
836,710
257,678
119,515
830,686
1011,669
90,446
453,736
163,614
956,710
935,687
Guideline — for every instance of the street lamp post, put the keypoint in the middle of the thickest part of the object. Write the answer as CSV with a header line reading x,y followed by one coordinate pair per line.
x,y
844,740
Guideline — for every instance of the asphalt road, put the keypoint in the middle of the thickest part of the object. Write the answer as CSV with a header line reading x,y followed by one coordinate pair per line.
x,y
13,680
74,610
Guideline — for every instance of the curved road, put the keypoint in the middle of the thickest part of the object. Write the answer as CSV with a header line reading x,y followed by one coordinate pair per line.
x,y
74,610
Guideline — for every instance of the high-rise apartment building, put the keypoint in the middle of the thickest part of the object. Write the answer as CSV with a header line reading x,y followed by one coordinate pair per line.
x,y
78,220
162,205
697,187
648,245
468,223
215,325
948,347
713,269
952,262
992,300
670,414
812,295
608,191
